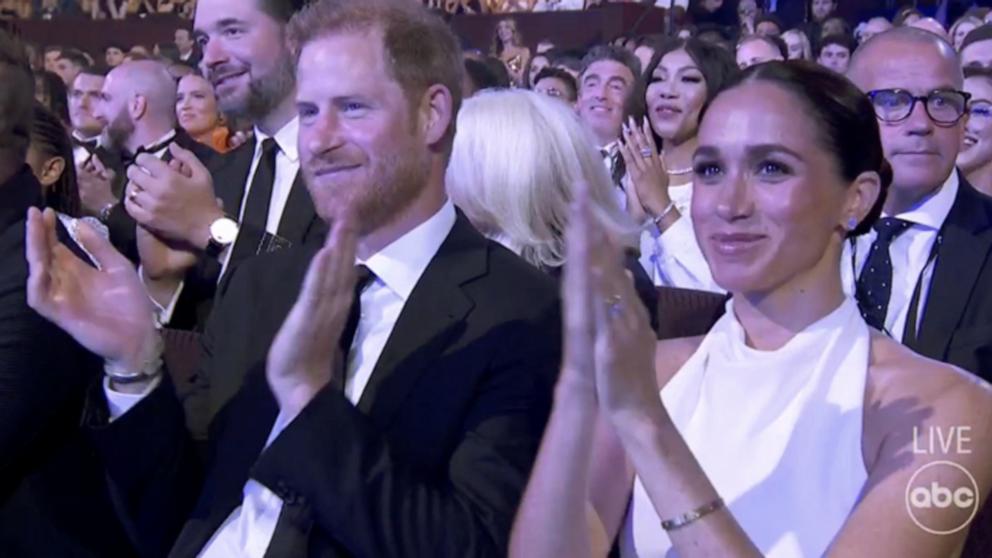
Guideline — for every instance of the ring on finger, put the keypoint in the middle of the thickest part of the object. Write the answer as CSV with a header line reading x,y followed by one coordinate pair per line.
x,y
646,152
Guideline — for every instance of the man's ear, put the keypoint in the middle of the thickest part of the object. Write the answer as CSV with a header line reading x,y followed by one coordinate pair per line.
x,y
436,113
51,171
137,107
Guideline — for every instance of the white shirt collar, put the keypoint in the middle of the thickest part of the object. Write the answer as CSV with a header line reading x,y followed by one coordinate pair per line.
x,y
400,265
933,211
81,139
286,137
164,138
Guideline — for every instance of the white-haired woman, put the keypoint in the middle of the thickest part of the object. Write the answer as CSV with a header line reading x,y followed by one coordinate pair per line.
x,y
515,164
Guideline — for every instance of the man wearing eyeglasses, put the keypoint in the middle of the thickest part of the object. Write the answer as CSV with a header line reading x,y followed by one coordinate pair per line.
x,y
923,274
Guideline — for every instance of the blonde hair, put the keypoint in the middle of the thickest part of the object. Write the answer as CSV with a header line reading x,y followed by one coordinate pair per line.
x,y
517,159
807,47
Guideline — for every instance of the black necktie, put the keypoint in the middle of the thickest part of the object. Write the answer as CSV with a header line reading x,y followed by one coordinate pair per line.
x,y
875,284
256,210
365,278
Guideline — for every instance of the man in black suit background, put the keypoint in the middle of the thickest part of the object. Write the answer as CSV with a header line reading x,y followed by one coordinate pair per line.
x,y
137,106
415,435
923,275
265,205
53,501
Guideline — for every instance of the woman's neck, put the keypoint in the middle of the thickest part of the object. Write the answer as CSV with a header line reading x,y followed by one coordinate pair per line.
x,y
678,154
203,136
981,178
771,318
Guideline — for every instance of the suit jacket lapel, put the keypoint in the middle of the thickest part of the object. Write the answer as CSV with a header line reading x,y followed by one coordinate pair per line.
x,y
433,313
230,176
967,239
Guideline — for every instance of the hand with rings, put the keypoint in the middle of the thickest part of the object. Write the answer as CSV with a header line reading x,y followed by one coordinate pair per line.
x,y
647,193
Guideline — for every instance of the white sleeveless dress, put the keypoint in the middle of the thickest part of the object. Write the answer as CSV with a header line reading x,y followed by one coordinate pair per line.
x,y
777,432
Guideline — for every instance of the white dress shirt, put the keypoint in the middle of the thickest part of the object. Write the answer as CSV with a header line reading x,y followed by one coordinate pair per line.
x,y
909,253
673,258
248,531
287,167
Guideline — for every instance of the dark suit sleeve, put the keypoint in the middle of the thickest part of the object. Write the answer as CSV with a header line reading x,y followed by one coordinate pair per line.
x,y
333,459
123,233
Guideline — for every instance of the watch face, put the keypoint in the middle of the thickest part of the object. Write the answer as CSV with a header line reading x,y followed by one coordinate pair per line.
x,y
224,231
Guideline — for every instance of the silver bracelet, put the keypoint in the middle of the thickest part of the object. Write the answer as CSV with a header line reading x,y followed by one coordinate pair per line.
x,y
693,516
151,368
657,220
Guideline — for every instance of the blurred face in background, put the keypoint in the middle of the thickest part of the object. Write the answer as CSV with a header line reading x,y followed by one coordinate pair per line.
x,y
114,57
976,148
754,52
977,55
603,91
67,70
537,64
821,9
84,96
961,31
835,57
557,88
114,109
52,60
675,96
196,105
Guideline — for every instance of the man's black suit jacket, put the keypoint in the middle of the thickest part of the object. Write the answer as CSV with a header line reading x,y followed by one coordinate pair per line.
x,y
432,461
299,226
53,498
122,226
957,319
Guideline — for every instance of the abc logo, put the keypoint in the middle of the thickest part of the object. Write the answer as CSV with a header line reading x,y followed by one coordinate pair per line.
x,y
962,494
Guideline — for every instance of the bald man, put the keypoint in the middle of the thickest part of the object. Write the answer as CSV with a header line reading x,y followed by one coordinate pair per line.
x,y
138,105
923,274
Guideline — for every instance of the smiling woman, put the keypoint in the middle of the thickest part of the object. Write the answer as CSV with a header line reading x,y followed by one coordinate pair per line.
x,y
784,431
975,159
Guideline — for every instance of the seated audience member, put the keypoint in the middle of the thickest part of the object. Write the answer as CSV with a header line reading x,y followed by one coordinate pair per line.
x,y
920,276
113,55
976,50
645,47
558,84
49,90
480,76
52,55
873,27
50,158
906,16
167,52
568,60
508,46
84,96
756,49
835,53
683,80
716,445
768,25
964,25
798,45
538,62
189,52
440,386
71,63
834,26
975,159
199,115
748,12
53,501
932,25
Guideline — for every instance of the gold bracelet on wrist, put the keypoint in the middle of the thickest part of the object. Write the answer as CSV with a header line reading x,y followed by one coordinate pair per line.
x,y
692,516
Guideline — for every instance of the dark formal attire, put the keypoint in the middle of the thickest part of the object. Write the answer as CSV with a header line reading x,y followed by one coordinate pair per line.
x,y
924,275
427,449
264,191
121,225
53,501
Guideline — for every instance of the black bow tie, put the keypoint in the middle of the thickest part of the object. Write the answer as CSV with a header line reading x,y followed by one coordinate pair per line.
x,y
89,145
128,159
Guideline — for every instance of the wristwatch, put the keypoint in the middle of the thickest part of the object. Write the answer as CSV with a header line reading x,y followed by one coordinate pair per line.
x,y
223,233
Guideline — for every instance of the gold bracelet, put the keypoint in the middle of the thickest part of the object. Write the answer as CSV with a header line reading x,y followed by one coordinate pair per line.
x,y
693,516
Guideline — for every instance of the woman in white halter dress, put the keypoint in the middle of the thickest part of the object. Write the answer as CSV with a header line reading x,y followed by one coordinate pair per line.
x,y
791,429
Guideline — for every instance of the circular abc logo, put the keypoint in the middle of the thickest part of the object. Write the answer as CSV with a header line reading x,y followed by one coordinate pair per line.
x,y
946,486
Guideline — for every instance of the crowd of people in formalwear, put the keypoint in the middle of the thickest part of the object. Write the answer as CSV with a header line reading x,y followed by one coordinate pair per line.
x,y
671,297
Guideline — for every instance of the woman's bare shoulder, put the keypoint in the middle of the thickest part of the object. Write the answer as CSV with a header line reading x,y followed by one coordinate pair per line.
x,y
671,355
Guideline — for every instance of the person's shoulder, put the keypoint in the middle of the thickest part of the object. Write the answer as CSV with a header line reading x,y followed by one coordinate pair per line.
x,y
928,392
510,273
671,355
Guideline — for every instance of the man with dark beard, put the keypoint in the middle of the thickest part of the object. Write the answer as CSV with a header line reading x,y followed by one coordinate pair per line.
x,y
264,204
398,410
138,105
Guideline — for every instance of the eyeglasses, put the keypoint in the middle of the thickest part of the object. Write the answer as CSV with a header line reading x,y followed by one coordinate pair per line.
x,y
980,114
944,106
